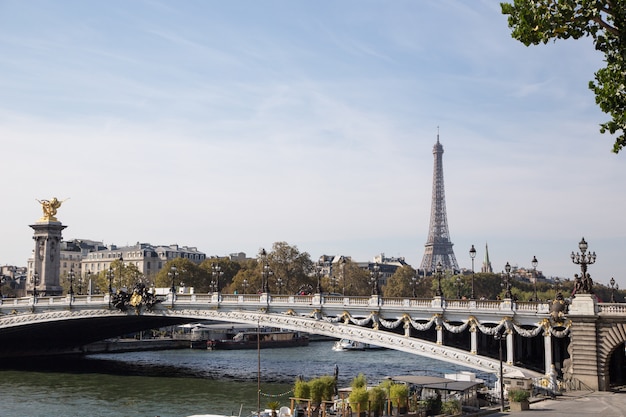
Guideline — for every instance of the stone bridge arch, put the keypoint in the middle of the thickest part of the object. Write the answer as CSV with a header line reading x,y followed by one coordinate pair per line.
x,y
611,353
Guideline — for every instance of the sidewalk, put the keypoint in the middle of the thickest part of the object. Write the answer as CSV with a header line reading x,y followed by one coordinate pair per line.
x,y
597,404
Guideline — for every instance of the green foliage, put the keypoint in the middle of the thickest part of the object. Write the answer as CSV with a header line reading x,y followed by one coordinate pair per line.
x,y
359,381
317,389
518,395
399,394
358,398
402,284
301,389
273,405
539,21
376,397
451,407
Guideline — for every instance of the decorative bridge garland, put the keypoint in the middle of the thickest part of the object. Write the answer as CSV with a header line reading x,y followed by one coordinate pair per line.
x,y
545,325
276,395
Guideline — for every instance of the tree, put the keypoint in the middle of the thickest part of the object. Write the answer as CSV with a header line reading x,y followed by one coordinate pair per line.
x,y
356,280
227,271
538,21
402,283
187,273
291,266
121,275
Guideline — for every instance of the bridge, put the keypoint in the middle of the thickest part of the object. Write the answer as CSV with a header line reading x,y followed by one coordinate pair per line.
x,y
580,342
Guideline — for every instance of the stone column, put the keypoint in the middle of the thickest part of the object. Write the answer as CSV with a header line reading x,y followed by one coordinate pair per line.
x,y
510,350
47,260
582,365
547,347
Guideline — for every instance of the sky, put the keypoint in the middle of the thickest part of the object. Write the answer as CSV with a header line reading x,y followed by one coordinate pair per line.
x,y
229,126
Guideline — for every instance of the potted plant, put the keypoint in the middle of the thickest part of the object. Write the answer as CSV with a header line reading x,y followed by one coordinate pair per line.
x,y
273,405
376,397
358,399
399,394
518,400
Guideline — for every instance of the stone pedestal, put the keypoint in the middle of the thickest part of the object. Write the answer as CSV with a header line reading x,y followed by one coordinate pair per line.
x,y
47,258
582,366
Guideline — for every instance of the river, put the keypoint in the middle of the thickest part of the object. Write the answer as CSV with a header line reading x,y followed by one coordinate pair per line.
x,y
178,383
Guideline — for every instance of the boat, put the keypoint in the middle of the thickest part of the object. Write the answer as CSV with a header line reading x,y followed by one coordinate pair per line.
x,y
260,339
347,344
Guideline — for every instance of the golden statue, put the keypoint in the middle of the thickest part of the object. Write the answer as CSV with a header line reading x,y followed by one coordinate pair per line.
x,y
49,208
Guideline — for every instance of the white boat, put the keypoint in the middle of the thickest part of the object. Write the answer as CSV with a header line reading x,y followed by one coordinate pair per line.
x,y
347,344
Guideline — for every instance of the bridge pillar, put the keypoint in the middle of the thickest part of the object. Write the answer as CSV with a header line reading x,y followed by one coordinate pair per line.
x,y
47,258
582,365
510,348
547,347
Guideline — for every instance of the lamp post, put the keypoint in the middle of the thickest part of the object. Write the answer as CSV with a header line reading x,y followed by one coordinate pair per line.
x,y
35,281
89,282
333,281
72,275
374,279
279,284
507,281
414,284
342,268
71,291
318,273
121,267
173,274
439,273
583,284
244,284
534,263
80,284
499,338
614,287
472,253
217,273
266,272
458,285
110,277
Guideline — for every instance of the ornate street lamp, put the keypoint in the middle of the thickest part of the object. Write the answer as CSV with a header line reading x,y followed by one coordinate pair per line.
x,y
472,253
35,281
266,273
614,287
583,284
333,281
458,284
557,288
72,276
110,277
121,267
498,336
217,273
439,273
342,268
71,291
279,284
374,279
244,284
173,275
80,284
534,263
414,284
89,282
507,281
318,274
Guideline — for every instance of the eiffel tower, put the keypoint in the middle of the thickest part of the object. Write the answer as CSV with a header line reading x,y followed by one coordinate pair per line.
x,y
438,246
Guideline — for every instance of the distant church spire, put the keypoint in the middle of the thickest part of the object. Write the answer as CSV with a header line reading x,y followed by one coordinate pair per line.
x,y
486,263
438,246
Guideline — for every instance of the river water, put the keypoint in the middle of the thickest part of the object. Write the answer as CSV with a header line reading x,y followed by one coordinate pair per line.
x,y
178,383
